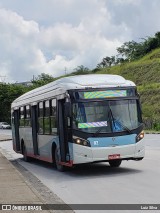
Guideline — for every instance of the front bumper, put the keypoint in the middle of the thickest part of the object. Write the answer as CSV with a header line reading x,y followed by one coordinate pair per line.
x,y
84,154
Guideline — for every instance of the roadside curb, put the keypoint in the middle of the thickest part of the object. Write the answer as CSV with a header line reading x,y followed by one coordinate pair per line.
x,y
152,133
9,139
5,137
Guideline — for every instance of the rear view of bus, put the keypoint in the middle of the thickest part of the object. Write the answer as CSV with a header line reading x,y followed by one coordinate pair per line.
x,y
106,121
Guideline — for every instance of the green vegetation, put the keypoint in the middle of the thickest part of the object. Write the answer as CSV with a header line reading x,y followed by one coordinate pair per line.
x,y
9,92
41,80
145,72
131,51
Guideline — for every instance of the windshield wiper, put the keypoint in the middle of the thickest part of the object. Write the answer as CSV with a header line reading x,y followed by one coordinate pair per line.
x,y
141,124
121,124
114,120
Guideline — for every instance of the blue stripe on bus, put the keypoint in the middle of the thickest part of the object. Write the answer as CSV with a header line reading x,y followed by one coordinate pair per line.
x,y
113,141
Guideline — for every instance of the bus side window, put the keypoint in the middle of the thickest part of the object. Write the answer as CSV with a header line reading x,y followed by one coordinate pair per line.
x,y
21,121
40,117
47,117
28,116
53,117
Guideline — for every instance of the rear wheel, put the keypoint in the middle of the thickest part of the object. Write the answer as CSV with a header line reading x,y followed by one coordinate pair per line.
x,y
115,163
59,167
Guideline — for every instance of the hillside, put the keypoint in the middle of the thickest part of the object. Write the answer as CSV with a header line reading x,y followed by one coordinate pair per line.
x,y
146,74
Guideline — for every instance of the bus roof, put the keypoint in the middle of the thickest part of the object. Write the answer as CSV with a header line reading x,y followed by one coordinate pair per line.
x,y
61,85
93,80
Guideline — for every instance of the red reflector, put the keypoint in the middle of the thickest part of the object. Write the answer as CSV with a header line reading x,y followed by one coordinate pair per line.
x,y
113,157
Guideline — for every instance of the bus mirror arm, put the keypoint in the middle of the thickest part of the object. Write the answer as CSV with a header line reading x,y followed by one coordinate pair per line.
x,y
68,111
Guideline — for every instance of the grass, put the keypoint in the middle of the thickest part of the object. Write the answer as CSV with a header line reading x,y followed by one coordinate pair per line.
x,y
145,72
151,132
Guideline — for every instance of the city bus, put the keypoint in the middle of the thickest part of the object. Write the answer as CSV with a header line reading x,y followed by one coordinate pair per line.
x,y
80,119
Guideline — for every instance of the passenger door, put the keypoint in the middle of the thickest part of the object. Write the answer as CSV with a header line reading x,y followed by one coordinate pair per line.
x,y
34,122
15,129
62,131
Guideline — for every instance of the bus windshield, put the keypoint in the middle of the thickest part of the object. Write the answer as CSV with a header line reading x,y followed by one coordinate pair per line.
x,y
107,116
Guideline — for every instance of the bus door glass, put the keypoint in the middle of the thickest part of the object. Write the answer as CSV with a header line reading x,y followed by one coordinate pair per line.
x,y
63,130
16,140
34,129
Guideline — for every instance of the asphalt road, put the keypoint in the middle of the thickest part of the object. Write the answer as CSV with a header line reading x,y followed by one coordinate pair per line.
x,y
135,182
6,131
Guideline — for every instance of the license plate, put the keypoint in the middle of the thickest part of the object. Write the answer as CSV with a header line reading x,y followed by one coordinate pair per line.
x,y
113,157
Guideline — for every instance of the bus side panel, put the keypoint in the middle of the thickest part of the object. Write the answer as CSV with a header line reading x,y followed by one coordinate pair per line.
x,y
25,134
45,146
14,139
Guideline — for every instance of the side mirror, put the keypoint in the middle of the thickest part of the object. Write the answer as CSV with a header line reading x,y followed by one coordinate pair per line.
x,y
68,109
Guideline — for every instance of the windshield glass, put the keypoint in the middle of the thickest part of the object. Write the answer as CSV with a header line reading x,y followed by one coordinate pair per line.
x,y
106,117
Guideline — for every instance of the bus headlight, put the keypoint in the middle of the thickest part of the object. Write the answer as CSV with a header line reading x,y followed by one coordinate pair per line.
x,y
78,141
140,136
81,141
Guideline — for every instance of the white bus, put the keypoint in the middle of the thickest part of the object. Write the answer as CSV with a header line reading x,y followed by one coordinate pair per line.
x,y
79,119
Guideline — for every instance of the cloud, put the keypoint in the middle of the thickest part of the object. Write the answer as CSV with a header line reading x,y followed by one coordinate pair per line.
x,y
141,17
18,45
29,49
58,35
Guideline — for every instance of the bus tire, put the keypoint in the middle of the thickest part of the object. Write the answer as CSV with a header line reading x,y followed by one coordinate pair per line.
x,y
25,157
59,167
115,163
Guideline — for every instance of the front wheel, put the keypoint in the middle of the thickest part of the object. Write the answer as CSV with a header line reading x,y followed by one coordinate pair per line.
x,y
115,163
59,167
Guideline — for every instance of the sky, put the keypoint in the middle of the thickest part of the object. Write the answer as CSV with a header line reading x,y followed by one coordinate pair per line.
x,y
56,36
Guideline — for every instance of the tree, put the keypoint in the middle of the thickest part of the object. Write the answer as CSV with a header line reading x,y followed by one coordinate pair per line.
x,y
128,50
150,44
157,36
106,62
81,70
8,93
131,51
119,61
42,79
